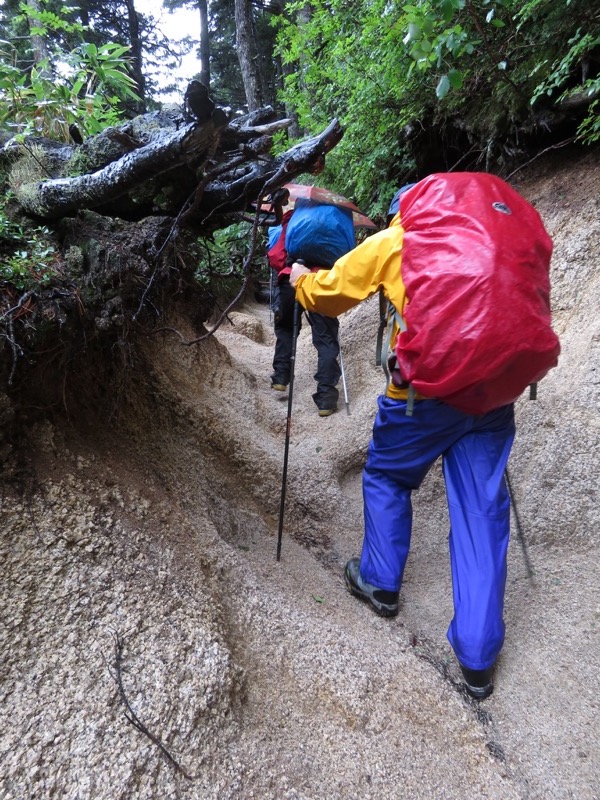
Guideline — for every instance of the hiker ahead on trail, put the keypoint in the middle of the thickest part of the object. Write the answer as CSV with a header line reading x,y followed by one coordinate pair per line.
x,y
317,234
464,265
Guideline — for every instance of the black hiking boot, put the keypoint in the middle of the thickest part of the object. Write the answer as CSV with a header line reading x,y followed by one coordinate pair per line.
x,y
478,682
382,602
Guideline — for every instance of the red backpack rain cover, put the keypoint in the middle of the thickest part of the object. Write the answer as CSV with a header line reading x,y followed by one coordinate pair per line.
x,y
475,264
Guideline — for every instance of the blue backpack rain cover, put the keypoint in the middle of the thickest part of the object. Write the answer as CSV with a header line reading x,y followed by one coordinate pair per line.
x,y
273,234
319,234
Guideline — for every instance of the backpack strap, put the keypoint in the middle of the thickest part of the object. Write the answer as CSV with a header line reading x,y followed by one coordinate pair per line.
x,y
387,318
383,321
533,391
410,400
385,347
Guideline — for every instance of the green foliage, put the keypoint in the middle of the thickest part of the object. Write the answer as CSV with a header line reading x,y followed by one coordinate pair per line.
x,y
27,260
349,67
85,86
42,21
472,72
589,130
559,76
225,256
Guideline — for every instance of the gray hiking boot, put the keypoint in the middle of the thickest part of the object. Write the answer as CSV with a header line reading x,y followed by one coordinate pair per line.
x,y
383,602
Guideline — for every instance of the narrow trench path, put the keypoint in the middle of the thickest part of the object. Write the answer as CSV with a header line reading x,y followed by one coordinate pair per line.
x,y
324,498
339,525
267,679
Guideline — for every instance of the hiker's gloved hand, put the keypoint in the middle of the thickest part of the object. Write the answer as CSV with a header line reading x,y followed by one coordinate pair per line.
x,y
297,270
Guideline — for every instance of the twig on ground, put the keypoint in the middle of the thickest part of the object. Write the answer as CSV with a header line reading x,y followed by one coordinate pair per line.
x,y
130,714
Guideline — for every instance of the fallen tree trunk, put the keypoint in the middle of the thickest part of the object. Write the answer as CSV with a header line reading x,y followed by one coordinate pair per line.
x,y
61,197
233,193
214,168
128,217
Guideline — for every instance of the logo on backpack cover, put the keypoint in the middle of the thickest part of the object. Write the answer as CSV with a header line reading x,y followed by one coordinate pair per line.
x,y
502,207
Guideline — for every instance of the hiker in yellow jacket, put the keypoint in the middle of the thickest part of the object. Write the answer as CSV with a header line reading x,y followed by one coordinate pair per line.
x,y
401,452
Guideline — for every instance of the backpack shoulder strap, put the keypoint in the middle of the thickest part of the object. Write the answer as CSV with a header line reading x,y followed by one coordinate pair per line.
x,y
386,320
383,320
389,315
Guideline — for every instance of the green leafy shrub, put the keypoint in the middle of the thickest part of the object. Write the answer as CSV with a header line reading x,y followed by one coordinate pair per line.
x,y
223,259
462,80
87,92
27,258
85,86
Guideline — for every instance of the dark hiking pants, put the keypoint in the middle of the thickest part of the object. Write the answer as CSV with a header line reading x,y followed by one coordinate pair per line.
x,y
283,315
325,340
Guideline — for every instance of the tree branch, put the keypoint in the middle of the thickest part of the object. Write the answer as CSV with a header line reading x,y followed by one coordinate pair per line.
x,y
130,714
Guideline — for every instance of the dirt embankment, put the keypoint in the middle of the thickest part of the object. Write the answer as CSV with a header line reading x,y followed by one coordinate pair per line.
x,y
139,566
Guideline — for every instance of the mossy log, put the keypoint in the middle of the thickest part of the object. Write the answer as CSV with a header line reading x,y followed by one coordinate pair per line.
x,y
161,165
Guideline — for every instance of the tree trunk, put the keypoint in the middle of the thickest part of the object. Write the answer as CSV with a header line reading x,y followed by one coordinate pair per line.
x,y
157,165
295,131
38,43
136,55
246,52
84,14
62,197
204,44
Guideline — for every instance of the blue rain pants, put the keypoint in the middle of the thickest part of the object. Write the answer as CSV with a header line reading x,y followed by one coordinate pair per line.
x,y
474,451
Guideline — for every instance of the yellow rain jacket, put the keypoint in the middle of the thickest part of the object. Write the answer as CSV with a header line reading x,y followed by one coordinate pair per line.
x,y
373,265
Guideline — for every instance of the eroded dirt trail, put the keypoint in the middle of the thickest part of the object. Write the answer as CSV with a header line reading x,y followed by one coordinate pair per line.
x,y
537,672
268,680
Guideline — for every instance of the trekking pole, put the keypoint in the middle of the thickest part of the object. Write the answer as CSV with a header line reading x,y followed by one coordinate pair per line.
x,y
520,535
288,425
346,399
